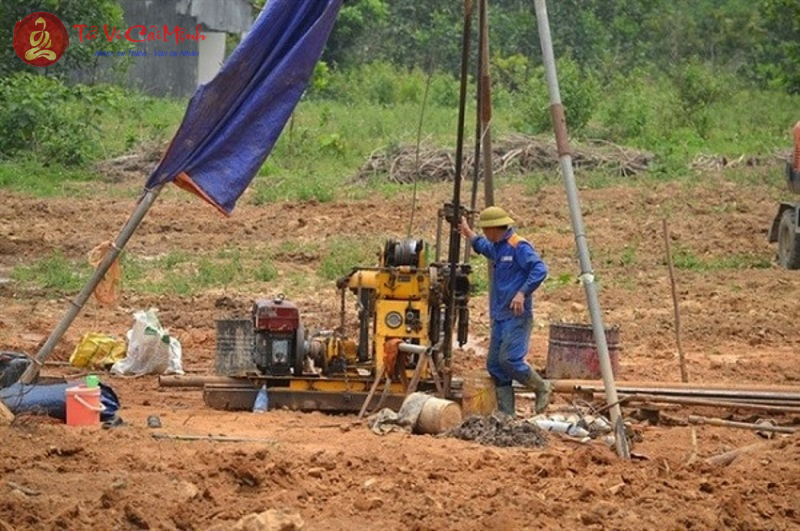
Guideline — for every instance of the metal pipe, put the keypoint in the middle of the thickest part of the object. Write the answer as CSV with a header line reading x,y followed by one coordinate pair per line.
x,y
476,169
412,348
455,236
731,404
486,108
201,381
76,305
568,386
710,393
745,425
587,273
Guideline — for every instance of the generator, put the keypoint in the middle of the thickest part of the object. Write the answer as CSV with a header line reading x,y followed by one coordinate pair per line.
x,y
278,338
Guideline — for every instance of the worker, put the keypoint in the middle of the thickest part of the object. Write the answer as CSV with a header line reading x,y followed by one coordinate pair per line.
x,y
518,271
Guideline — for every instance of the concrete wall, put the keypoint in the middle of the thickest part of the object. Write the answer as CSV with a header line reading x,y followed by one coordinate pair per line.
x,y
156,75
179,75
231,16
212,55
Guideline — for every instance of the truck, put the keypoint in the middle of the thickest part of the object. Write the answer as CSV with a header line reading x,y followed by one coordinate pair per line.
x,y
785,229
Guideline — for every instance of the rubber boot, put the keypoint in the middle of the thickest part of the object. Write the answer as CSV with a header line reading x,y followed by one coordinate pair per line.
x,y
541,388
506,403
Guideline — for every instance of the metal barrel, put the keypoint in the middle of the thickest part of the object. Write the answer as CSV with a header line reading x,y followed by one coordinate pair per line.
x,y
234,355
572,353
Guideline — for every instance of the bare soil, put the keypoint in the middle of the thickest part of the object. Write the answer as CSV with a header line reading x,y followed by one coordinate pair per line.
x,y
739,327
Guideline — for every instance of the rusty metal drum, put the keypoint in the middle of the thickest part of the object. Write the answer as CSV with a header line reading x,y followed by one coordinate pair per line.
x,y
572,353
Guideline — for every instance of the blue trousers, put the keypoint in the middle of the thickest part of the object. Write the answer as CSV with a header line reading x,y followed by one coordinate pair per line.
x,y
508,347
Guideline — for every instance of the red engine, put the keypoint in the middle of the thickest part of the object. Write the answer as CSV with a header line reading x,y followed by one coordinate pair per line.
x,y
278,337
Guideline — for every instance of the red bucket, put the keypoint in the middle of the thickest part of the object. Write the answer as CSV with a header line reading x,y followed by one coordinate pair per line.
x,y
83,406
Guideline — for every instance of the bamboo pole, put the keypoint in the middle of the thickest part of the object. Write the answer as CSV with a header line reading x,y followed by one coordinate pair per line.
x,y
675,306
76,305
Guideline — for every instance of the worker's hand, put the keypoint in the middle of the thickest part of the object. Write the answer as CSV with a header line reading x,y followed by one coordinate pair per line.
x,y
518,303
465,230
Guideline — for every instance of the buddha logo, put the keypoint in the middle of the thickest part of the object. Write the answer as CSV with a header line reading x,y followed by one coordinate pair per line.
x,y
40,39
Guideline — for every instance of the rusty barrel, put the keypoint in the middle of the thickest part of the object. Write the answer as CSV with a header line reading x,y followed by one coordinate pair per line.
x,y
234,355
572,352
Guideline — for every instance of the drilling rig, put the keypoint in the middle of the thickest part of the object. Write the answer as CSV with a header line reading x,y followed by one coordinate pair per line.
x,y
401,347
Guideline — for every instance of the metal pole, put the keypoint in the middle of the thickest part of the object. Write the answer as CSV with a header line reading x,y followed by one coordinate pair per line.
x,y
476,162
77,304
486,108
455,236
587,273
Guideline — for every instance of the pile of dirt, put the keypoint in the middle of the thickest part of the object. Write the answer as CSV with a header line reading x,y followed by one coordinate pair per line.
x,y
516,154
501,431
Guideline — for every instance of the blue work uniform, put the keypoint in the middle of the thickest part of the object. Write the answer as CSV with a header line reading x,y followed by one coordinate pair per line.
x,y
517,267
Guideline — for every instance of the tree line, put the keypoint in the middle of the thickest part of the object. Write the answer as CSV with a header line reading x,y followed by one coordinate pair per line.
x,y
757,41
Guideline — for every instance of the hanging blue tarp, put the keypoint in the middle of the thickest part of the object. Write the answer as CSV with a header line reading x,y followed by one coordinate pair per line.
x,y
233,122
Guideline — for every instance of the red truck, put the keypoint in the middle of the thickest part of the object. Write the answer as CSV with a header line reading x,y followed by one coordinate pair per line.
x,y
784,229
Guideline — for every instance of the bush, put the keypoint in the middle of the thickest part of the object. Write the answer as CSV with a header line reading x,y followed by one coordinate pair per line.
x,y
699,86
579,95
54,123
638,108
384,84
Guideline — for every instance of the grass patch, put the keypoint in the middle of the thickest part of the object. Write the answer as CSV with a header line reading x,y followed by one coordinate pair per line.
x,y
36,179
563,280
178,273
54,272
684,258
342,254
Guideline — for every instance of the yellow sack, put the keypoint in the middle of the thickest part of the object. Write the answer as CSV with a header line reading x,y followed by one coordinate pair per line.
x,y
96,350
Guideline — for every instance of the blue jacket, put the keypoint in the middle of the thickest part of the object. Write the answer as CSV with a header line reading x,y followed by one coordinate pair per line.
x,y
517,267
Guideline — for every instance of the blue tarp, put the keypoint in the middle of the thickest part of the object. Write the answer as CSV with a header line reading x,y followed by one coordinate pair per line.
x,y
233,122
51,400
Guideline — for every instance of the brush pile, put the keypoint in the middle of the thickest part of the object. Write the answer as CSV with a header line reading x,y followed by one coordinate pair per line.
x,y
513,155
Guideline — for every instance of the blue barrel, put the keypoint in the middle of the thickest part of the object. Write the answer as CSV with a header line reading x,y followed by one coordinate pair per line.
x,y
572,352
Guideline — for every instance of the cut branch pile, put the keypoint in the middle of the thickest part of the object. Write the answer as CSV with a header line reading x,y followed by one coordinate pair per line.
x,y
514,155
721,162
132,166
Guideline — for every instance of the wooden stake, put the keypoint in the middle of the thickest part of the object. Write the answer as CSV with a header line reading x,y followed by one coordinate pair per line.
x,y
684,375
728,457
371,393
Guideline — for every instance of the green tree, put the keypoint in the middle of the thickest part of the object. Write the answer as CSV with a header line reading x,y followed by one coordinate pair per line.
x,y
778,57
353,38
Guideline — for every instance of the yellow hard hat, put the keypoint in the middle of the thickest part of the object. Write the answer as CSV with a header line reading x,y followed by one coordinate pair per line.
x,y
494,216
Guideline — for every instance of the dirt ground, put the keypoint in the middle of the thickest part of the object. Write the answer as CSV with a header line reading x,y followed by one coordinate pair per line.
x,y
739,327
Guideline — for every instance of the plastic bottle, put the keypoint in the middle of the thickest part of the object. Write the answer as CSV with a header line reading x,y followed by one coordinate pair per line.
x,y
92,381
261,403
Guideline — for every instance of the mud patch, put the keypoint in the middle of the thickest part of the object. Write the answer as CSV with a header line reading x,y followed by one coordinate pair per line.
x,y
500,431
